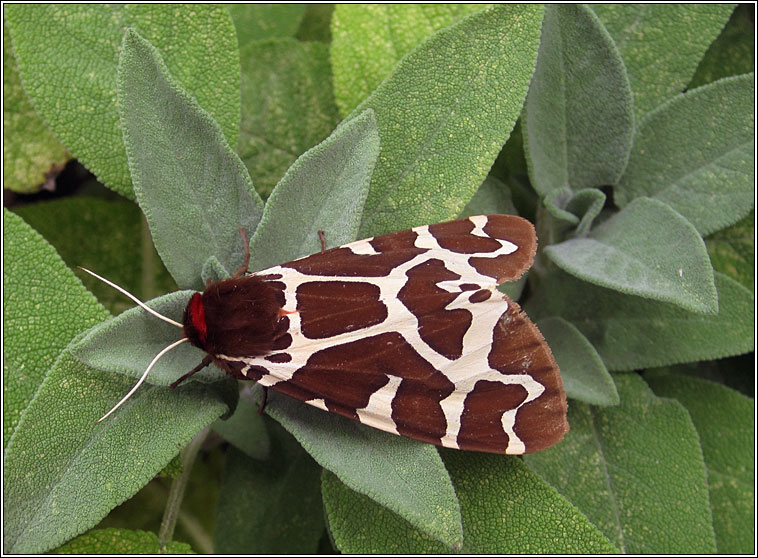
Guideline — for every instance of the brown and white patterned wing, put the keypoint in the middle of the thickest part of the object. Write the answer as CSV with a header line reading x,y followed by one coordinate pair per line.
x,y
407,333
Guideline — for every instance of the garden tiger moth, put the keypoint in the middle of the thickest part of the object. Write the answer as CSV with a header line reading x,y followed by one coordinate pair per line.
x,y
404,332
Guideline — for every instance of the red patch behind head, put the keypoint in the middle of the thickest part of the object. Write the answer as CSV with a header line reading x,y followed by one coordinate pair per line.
x,y
197,316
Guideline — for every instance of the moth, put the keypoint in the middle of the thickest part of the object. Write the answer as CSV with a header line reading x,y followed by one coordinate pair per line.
x,y
405,332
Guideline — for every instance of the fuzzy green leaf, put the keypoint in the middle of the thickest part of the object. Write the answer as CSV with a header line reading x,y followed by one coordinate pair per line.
x,y
400,474
631,332
64,473
695,152
725,424
69,70
493,196
445,113
733,51
570,211
636,471
370,39
506,509
245,429
270,507
499,496
287,106
193,188
661,44
255,22
560,218
111,238
587,205
578,119
648,250
31,153
44,307
584,375
358,525
121,541
213,271
732,251
145,509
325,189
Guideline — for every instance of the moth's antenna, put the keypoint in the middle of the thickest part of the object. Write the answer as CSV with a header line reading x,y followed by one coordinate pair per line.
x,y
144,375
134,298
159,355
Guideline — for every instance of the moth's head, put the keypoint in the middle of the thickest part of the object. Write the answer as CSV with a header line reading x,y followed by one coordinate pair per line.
x,y
195,326
159,355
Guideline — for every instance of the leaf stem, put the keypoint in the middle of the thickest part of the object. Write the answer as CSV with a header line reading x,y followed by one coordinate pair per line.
x,y
176,492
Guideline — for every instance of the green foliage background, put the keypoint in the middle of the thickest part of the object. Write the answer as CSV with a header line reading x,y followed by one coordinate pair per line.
x,y
625,132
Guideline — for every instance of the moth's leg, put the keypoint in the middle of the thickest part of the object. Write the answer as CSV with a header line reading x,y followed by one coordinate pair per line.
x,y
263,400
205,362
322,238
243,268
